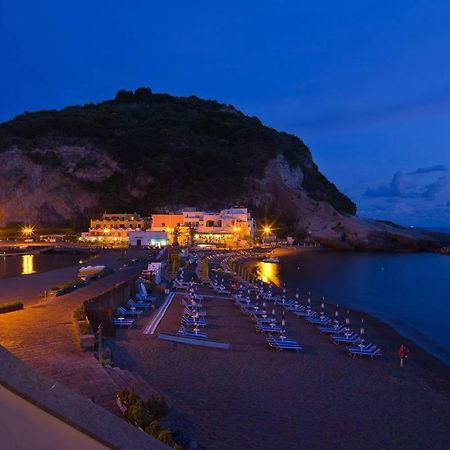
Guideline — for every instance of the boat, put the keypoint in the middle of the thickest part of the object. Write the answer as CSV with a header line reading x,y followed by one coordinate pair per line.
x,y
271,259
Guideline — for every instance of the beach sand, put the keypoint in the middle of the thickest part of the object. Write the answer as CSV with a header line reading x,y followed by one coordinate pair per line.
x,y
252,397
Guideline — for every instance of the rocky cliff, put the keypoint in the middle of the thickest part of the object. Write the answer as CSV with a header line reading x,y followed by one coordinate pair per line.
x,y
144,152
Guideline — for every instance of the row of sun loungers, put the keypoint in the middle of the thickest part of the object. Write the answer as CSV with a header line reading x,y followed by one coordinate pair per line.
x,y
337,332
134,308
267,325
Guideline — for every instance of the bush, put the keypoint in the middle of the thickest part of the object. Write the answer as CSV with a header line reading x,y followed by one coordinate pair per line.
x,y
153,429
68,286
85,328
9,307
157,407
79,313
166,437
127,397
138,414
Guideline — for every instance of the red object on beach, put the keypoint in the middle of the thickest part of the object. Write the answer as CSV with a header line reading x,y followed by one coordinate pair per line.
x,y
403,352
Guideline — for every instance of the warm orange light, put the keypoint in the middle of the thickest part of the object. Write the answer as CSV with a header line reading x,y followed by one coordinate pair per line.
x,y
27,230
267,229
106,230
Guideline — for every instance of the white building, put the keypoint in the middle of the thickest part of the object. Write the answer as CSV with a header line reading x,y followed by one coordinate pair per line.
x,y
148,238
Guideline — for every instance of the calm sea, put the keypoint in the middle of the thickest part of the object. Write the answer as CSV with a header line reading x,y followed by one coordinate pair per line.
x,y
408,291
28,264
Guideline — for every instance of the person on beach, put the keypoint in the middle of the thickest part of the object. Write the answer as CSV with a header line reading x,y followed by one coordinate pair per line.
x,y
403,353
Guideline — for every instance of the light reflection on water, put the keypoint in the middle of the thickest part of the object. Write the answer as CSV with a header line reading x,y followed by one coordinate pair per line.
x,y
268,272
27,264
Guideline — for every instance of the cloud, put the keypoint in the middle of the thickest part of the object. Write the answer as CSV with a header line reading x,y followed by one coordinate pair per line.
x,y
432,189
400,184
423,170
403,185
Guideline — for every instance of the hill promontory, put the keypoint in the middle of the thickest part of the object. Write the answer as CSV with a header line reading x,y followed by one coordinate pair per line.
x,y
146,152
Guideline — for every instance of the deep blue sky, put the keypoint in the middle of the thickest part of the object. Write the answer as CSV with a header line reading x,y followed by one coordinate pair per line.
x,y
366,84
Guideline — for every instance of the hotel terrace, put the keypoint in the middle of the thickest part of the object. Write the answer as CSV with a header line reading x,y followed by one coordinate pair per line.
x,y
233,227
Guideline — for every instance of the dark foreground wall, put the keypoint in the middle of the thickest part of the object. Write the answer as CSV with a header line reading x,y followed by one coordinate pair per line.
x,y
101,309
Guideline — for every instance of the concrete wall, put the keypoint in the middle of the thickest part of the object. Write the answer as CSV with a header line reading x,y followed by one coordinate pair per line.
x,y
101,309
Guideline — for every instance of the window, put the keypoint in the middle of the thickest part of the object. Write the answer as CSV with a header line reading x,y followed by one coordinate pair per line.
x,y
163,224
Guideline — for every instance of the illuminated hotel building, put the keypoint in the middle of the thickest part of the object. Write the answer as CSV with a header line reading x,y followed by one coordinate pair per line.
x,y
233,227
113,229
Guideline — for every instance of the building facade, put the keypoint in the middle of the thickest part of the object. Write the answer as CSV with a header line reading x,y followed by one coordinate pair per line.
x,y
114,229
233,227
148,238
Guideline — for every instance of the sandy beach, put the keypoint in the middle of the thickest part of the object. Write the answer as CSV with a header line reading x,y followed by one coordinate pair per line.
x,y
251,397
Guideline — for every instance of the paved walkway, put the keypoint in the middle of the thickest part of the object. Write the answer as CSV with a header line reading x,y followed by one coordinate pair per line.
x,y
43,336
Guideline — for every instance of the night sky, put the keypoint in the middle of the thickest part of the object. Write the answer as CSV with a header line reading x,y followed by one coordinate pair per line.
x,y
366,84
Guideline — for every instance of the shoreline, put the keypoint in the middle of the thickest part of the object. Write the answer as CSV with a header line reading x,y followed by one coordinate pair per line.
x,y
383,327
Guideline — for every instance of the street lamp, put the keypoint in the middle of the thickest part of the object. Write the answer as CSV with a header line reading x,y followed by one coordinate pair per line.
x,y
267,229
27,231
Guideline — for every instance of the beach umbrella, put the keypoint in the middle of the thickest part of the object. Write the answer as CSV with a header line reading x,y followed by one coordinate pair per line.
x,y
283,325
347,323
336,316
322,308
361,332
196,328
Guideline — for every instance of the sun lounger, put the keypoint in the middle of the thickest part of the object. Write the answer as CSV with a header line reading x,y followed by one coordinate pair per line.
x,y
129,312
146,298
192,334
369,350
263,320
319,320
332,330
304,313
141,304
191,322
283,344
266,328
351,338
122,322
192,313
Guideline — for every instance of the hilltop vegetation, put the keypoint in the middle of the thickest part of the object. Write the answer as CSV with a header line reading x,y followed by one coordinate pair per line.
x,y
170,151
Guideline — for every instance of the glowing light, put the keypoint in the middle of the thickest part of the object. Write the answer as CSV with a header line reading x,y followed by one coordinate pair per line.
x,y
27,230
106,230
268,273
267,229
27,264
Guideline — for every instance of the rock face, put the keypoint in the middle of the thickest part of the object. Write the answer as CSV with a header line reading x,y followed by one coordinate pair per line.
x,y
144,152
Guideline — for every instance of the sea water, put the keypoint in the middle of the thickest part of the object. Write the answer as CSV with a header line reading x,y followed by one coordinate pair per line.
x,y
410,292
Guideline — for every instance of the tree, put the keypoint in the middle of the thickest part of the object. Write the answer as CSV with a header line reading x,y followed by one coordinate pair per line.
x,y
191,231
124,96
175,235
143,94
